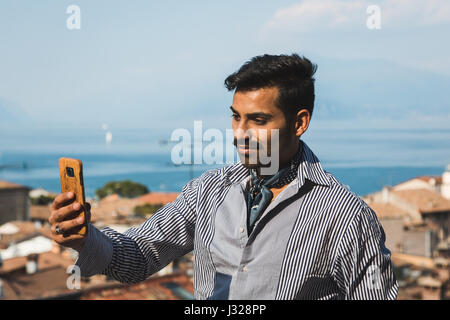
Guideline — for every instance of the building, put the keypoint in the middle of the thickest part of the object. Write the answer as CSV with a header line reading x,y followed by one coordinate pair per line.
x,y
35,267
415,215
415,221
440,184
421,278
21,238
40,214
156,198
433,183
175,286
445,188
14,202
34,276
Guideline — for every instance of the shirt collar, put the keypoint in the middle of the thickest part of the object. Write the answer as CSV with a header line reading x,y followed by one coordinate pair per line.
x,y
309,168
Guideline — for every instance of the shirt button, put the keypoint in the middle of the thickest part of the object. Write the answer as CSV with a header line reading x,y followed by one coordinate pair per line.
x,y
241,230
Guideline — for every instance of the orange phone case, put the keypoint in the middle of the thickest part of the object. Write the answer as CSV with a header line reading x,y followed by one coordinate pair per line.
x,y
71,176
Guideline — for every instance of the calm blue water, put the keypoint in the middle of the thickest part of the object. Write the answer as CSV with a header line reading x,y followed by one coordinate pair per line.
x,y
365,161
158,174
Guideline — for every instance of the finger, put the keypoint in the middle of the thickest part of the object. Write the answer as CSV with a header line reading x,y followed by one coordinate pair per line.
x,y
62,199
68,226
65,213
88,211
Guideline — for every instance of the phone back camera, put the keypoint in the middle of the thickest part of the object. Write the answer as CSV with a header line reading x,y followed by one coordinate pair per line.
x,y
69,172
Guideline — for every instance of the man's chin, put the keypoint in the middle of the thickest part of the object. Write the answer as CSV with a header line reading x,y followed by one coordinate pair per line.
x,y
249,162
250,166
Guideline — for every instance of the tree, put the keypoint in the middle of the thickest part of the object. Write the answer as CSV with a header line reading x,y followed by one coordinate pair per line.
x,y
146,210
42,200
126,188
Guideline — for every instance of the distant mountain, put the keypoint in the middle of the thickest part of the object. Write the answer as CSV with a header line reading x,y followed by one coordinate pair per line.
x,y
378,88
9,112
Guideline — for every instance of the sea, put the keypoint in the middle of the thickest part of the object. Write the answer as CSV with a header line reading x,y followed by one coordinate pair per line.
x,y
363,160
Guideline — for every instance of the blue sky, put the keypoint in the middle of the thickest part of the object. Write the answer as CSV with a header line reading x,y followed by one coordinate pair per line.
x,y
140,64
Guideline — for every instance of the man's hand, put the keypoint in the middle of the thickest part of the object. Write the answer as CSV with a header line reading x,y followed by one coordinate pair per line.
x,y
64,216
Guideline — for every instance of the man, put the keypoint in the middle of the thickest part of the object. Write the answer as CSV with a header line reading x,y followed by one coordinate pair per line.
x,y
297,233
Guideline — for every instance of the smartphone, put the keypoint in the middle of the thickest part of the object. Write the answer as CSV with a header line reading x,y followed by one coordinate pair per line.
x,y
71,177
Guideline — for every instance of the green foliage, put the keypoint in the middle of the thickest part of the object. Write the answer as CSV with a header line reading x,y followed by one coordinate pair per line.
x,y
126,188
42,200
146,209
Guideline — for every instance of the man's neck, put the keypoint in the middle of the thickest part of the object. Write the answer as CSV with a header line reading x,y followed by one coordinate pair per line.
x,y
284,163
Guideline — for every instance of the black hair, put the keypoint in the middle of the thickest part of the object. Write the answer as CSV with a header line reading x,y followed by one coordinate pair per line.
x,y
291,74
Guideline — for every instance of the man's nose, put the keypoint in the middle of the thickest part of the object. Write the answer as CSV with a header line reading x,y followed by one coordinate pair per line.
x,y
242,133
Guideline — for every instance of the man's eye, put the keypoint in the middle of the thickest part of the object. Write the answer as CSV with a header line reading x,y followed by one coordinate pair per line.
x,y
261,121
235,116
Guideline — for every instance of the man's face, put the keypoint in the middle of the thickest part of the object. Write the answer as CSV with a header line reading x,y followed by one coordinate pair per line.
x,y
255,115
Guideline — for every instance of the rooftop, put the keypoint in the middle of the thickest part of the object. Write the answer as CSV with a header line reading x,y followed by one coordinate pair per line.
x,y
10,185
18,231
175,286
158,197
49,280
428,179
425,200
387,210
400,259
111,209
114,209
40,212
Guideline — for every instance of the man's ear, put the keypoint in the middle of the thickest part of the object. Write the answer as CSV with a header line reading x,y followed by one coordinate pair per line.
x,y
302,119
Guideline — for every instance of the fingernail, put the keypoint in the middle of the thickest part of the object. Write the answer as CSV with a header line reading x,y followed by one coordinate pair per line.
x,y
80,220
76,206
70,194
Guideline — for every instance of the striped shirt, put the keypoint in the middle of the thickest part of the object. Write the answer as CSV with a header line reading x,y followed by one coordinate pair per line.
x,y
316,240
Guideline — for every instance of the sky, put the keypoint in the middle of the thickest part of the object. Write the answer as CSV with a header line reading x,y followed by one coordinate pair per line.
x,y
161,64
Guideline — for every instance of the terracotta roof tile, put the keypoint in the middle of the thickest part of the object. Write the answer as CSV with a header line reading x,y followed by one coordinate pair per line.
x,y
438,179
25,230
41,212
112,208
418,261
49,280
158,197
45,260
425,200
387,210
154,288
11,185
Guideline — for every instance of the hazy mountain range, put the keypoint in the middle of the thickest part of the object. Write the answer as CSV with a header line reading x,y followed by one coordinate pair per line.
x,y
344,89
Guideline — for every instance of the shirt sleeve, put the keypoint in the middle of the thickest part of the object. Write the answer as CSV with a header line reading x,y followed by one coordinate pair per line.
x,y
363,268
139,252
96,253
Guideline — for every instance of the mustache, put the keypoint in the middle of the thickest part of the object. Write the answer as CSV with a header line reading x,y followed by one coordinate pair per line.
x,y
245,143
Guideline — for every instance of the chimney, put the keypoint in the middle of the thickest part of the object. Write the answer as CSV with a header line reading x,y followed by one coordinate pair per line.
x,y
32,263
385,195
445,187
432,182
